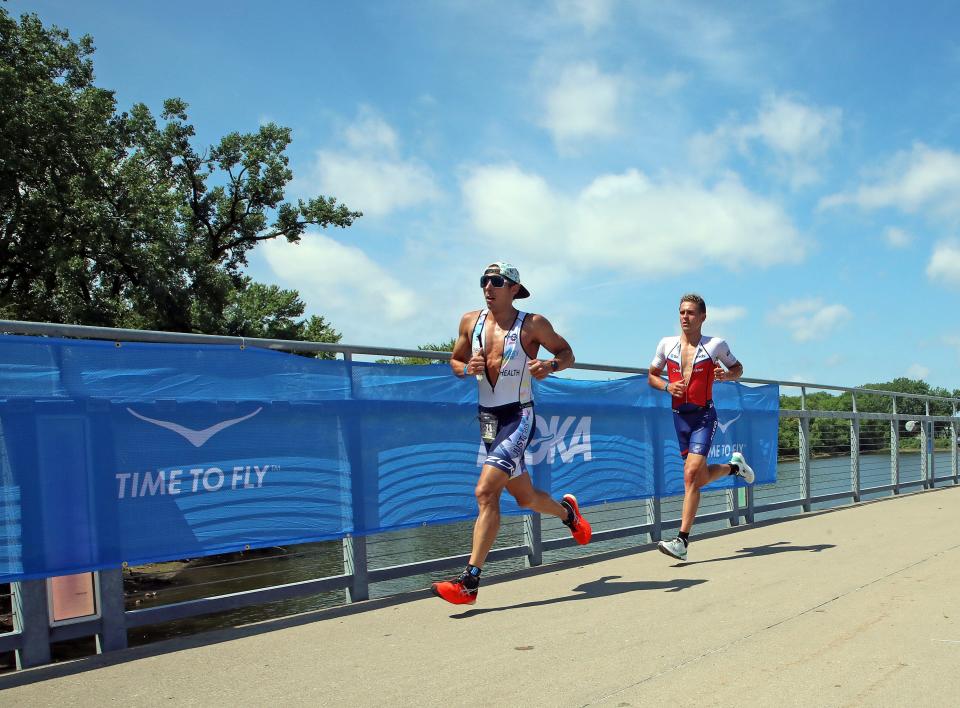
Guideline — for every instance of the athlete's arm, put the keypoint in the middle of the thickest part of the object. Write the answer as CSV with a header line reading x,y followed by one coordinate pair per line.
x,y
655,379
731,374
656,370
542,334
461,358
734,366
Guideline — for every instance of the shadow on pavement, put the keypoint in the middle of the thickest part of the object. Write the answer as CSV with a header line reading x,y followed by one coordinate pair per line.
x,y
597,588
601,587
756,551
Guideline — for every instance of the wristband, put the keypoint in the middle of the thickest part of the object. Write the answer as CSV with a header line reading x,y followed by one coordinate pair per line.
x,y
553,364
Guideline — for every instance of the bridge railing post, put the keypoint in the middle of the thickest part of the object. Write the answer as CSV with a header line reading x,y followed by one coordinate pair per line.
x,y
933,450
655,505
32,620
805,481
113,626
954,444
533,539
855,450
923,453
355,561
926,471
355,564
895,449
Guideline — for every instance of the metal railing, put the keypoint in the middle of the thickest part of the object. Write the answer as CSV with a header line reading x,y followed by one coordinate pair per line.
x,y
826,458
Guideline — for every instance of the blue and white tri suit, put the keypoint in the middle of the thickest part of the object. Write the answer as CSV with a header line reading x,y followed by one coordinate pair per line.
x,y
510,399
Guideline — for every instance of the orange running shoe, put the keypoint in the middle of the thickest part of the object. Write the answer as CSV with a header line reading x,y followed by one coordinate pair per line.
x,y
579,527
455,592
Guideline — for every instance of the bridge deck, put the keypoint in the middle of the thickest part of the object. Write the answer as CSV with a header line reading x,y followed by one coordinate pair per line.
x,y
856,606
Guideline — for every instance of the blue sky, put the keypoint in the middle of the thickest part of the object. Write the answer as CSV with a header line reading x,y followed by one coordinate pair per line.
x,y
796,163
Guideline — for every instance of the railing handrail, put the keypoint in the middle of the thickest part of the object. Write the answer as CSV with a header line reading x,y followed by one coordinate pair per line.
x,y
51,329
35,633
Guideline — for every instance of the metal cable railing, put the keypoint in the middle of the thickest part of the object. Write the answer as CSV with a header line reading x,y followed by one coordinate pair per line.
x,y
825,458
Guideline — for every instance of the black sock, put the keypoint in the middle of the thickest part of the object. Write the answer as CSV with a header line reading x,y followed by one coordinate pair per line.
x,y
685,537
734,469
570,516
471,576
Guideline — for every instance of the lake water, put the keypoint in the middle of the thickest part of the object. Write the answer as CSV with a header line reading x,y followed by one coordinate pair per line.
x,y
165,583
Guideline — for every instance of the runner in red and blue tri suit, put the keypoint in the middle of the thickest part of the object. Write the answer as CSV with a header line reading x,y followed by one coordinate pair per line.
x,y
693,361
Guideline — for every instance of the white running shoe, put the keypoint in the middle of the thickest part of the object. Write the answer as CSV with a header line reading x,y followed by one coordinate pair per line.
x,y
675,548
746,471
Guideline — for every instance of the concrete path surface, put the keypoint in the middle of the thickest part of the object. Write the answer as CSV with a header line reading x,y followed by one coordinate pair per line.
x,y
853,607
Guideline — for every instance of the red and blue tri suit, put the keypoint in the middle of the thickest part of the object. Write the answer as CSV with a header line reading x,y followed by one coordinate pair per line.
x,y
694,416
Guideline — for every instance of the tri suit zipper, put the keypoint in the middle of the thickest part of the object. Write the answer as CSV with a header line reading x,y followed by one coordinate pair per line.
x,y
483,329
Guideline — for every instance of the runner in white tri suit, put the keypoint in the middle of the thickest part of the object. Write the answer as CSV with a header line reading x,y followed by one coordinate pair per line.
x,y
505,344
693,362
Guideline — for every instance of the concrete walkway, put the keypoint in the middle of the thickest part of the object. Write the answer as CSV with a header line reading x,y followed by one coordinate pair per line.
x,y
858,606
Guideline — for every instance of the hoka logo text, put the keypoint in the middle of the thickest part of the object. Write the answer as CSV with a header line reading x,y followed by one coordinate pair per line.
x,y
566,437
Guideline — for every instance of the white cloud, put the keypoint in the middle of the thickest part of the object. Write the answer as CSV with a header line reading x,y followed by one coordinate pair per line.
x,y
589,14
722,315
370,175
504,201
698,33
629,223
375,187
794,133
810,318
793,128
898,238
918,371
922,179
343,283
944,265
371,133
708,150
582,104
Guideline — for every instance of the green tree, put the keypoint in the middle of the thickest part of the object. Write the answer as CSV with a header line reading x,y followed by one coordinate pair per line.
x,y
417,360
267,311
827,436
832,436
115,219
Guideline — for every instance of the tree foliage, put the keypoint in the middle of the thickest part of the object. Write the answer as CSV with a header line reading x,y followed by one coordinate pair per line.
x,y
117,219
831,436
418,360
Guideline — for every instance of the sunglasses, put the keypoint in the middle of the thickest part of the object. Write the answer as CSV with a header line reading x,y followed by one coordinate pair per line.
x,y
497,281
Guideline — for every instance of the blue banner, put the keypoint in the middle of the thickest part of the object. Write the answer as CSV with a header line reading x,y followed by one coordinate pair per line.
x,y
128,452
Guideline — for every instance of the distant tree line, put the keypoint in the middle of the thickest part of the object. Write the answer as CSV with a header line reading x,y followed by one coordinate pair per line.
x,y
446,346
831,436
